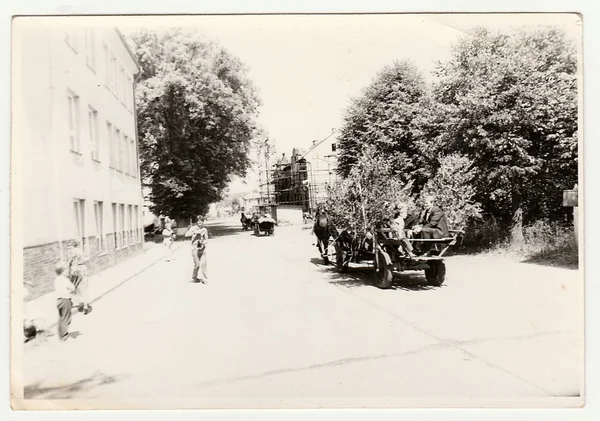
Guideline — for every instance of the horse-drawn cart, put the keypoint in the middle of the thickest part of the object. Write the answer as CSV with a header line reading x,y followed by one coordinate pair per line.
x,y
388,255
266,225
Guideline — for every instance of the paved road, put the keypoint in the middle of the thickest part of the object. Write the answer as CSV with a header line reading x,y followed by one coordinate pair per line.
x,y
276,327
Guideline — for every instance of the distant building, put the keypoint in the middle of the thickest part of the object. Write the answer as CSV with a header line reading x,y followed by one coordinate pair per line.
x,y
301,180
321,160
77,129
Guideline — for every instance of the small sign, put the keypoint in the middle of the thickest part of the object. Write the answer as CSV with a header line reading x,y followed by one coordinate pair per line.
x,y
570,198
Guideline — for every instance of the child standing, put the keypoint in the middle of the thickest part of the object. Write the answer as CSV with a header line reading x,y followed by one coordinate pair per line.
x,y
78,275
64,290
168,236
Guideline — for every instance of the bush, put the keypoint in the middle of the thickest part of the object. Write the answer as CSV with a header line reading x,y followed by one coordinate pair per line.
x,y
484,233
544,242
368,195
453,189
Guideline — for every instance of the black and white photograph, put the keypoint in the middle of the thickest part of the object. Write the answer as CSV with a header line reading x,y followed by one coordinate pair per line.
x,y
297,211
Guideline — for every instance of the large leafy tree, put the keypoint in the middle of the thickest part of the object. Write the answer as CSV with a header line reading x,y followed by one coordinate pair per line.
x,y
509,103
196,119
389,115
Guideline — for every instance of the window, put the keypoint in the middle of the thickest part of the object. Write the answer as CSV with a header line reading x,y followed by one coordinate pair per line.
x,y
123,231
129,96
90,49
122,92
127,162
113,74
73,117
117,149
134,160
333,147
136,219
131,238
115,212
79,208
99,214
94,138
106,66
121,158
111,145
71,38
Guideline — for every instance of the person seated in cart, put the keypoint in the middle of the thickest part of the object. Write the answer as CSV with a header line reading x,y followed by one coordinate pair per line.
x,y
398,228
432,223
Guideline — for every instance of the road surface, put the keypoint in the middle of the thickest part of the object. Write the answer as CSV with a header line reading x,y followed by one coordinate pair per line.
x,y
275,327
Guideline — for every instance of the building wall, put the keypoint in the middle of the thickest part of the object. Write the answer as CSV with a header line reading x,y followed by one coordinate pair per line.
x,y
290,214
322,161
69,155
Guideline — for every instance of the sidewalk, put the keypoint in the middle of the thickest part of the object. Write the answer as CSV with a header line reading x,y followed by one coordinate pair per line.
x,y
43,309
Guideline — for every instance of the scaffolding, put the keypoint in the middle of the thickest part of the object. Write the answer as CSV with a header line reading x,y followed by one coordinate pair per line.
x,y
301,180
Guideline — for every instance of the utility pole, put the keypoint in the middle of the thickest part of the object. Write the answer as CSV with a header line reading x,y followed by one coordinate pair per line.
x,y
267,151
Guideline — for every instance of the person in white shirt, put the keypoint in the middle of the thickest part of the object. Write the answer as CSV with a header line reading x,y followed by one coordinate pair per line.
x,y
78,275
168,236
397,226
199,235
65,291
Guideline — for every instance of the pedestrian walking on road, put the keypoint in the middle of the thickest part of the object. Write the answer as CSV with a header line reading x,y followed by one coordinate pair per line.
x,y
199,235
77,273
64,290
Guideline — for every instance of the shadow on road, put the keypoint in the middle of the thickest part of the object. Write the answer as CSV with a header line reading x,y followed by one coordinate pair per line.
x,y
67,391
225,229
363,276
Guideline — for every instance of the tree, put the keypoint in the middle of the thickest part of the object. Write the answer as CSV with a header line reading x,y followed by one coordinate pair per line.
x,y
368,195
453,189
389,116
196,119
509,103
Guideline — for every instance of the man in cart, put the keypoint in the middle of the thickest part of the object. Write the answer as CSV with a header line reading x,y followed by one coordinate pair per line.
x,y
432,223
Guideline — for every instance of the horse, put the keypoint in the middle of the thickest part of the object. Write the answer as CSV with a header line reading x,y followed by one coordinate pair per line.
x,y
322,230
245,222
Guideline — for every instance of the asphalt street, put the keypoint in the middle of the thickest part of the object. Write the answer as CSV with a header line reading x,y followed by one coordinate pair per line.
x,y
276,327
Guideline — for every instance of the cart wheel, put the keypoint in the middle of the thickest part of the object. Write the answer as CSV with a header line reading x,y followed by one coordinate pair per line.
x,y
436,274
340,257
385,276
273,231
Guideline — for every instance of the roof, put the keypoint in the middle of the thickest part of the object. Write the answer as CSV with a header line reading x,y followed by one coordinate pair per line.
x,y
137,66
318,143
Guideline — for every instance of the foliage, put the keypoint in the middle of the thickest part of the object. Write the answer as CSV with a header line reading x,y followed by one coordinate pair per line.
x,y
510,105
196,119
388,116
545,242
453,189
367,196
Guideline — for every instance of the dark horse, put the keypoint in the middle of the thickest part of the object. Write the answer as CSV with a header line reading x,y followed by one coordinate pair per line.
x,y
322,230
245,221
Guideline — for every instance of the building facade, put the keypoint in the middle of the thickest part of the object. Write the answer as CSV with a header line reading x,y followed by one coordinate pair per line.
x,y
321,159
77,134
302,179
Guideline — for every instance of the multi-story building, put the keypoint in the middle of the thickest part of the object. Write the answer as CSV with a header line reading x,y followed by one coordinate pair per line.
x,y
75,126
321,161
302,179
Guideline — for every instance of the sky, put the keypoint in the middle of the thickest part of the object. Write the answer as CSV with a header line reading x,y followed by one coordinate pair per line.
x,y
307,68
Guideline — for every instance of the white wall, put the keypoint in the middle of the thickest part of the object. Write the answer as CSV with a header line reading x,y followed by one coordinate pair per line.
x,y
54,175
323,163
290,214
